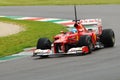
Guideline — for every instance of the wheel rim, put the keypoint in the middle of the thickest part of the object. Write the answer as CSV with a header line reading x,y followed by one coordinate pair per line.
x,y
113,39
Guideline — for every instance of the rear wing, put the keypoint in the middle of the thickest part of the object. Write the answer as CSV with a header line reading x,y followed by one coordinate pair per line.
x,y
93,24
91,21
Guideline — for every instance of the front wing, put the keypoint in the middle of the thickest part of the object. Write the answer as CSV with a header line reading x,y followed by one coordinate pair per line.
x,y
76,50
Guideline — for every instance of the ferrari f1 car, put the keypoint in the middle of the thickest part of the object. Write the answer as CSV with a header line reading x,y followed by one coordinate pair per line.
x,y
86,36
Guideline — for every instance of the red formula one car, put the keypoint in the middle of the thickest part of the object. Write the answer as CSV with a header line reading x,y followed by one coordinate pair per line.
x,y
86,36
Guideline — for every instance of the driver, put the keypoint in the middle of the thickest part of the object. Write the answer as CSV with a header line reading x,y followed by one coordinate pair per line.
x,y
74,30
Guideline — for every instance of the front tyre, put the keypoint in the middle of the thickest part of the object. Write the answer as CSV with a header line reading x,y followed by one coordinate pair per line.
x,y
44,43
85,40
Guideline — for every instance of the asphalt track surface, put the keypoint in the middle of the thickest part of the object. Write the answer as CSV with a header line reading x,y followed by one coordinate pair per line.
x,y
103,64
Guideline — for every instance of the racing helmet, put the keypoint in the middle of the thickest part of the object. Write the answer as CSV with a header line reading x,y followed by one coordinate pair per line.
x,y
74,30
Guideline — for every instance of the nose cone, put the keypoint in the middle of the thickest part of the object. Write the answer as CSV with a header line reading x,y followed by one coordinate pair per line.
x,y
62,39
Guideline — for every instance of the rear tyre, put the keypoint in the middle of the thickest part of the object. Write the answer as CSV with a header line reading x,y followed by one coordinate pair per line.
x,y
44,43
85,40
108,38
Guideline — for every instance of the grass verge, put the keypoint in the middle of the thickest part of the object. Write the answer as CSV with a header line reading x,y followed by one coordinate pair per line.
x,y
33,31
55,2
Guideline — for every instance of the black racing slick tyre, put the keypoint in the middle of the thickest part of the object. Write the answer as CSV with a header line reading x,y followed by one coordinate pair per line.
x,y
58,47
107,38
85,40
67,47
44,43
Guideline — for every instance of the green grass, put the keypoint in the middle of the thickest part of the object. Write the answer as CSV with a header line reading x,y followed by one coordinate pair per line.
x,y
28,38
55,2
